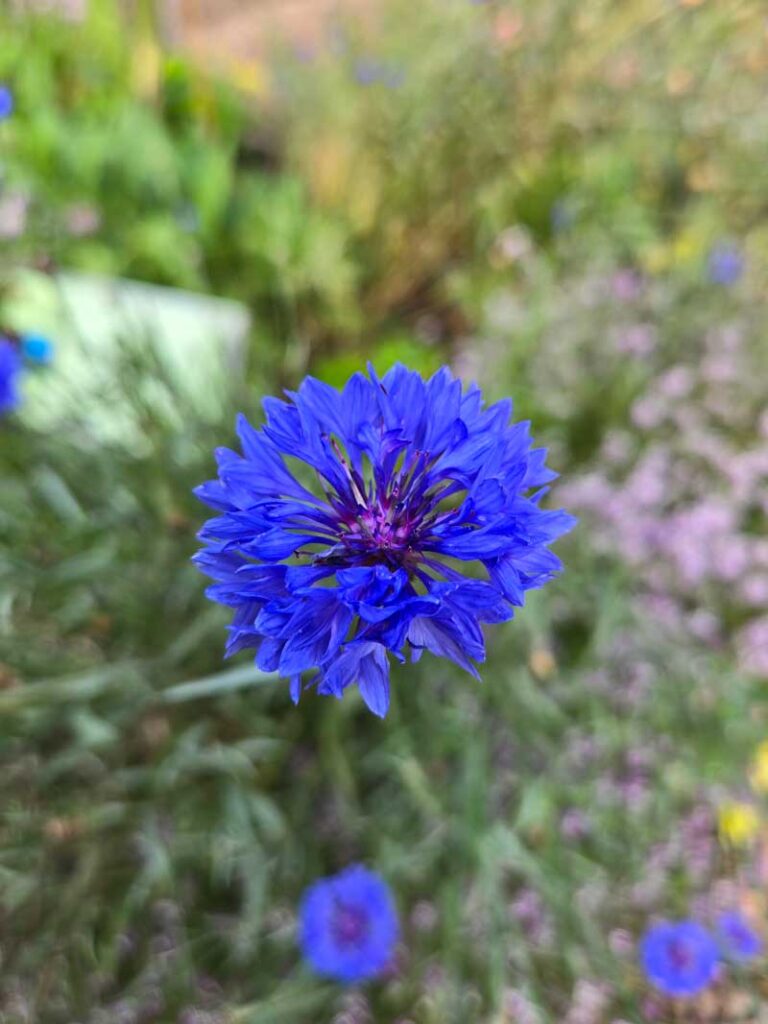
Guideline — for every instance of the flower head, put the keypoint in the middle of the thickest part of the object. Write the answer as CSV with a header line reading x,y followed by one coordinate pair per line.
x,y
739,823
752,646
10,371
6,102
405,491
725,264
679,958
738,940
368,71
37,349
348,925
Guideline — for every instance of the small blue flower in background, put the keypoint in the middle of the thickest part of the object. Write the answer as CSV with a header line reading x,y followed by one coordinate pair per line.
x,y
401,484
725,264
37,349
348,925
6,102
561,216
10,375
738,940
368,71
679,958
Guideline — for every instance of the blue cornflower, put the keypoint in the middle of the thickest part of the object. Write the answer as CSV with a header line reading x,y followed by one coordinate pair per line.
x,y
10,372
37,349
679,958
725,264
6,102
398,495
348,925
738,940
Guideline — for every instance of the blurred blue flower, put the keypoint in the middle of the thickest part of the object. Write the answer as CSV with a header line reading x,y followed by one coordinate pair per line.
x,y
304,53
37,349
6,102
738,940
561,216
348,925
368,71
10,373
679,958
725,264
369,541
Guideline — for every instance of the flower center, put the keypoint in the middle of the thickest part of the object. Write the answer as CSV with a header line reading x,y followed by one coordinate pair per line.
x,y
349,925
378,528
382,518
680,956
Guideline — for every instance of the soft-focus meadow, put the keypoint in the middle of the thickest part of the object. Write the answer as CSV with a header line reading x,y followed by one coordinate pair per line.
x,y
567,202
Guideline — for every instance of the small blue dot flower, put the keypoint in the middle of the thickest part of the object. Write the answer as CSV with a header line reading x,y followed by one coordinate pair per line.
x,y
561,216
6,102
725,264
368,71
348,925
409,515
679,958
10,375
737,939
37,349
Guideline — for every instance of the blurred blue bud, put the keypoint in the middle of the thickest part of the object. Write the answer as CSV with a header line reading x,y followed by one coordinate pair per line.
x,y
6,102
37,349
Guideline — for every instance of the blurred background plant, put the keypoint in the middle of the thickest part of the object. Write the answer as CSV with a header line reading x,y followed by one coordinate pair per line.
x,y
565,201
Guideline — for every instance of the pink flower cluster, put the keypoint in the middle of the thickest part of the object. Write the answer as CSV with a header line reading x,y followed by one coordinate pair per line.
x,y
683,497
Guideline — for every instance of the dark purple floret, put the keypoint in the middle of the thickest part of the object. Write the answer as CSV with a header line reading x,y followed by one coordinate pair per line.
x,y
394,517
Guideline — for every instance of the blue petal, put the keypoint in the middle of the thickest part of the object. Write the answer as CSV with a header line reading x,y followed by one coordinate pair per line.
x,y
277,544
436,637
314,633
295,688
374,680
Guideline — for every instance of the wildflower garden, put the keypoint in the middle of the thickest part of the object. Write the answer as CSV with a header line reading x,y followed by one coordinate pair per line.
x,y
383,504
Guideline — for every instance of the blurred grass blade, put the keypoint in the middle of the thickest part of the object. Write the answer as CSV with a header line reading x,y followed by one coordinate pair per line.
x,y
85,686
216,685
294,999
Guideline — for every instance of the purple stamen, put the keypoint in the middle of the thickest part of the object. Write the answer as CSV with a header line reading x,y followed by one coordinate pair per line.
x,y
350,925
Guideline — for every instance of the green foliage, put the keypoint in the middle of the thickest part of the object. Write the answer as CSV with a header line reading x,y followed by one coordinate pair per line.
x,y
159,828
451,182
